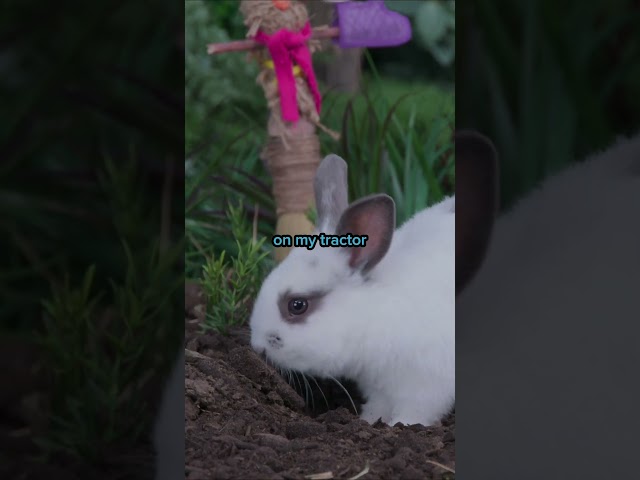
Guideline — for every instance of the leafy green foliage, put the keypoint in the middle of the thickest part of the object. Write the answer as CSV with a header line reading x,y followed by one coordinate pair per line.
x,y
226,114
209,191
91,226
398,142
220,90
76,89
225,13
100,338
100,352
232,282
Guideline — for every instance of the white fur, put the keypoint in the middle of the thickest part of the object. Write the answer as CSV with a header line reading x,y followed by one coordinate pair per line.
x,y
394,334
558,288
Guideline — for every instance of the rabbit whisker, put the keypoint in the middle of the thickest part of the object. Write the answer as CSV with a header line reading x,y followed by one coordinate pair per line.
x,y
295,374
307,391
320,389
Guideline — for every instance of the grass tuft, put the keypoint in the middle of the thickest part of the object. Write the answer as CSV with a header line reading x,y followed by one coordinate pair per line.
x,y
231,282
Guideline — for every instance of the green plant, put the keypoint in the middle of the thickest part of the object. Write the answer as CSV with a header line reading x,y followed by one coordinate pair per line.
x,y
403,148
412,164
232,282
208,190
100,353
77,89
224,130
101,335
400,144
221,94
223,164
225,13
396,140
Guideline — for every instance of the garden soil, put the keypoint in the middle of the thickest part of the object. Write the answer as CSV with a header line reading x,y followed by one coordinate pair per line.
x,y
245,421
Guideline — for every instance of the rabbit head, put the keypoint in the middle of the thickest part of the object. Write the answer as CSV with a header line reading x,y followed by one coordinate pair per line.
x,y
310,309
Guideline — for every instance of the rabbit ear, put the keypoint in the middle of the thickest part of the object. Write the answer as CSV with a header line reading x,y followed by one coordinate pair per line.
x,y
374,216
331,192
477,201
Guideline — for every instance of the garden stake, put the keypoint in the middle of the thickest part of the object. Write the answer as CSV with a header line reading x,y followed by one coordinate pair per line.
x,y
292,152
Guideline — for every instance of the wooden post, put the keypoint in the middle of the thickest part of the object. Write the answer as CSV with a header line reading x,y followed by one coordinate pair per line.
x,y
292,151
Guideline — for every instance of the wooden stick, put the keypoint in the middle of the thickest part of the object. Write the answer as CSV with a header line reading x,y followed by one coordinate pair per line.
x,y
245,45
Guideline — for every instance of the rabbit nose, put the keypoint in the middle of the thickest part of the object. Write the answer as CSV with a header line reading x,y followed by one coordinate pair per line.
x,y
274,340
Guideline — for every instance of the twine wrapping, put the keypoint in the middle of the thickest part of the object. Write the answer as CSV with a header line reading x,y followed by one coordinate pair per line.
x,y
264,16
287,47
292,170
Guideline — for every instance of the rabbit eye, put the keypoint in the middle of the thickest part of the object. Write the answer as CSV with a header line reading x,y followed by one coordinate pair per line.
x,y
297,306
294,307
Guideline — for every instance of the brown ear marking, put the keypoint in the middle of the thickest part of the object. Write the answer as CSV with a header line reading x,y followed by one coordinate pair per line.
x,y
374,216
476,201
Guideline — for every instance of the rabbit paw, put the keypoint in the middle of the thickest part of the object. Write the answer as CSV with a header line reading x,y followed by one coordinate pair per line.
x,y
411,416
374,410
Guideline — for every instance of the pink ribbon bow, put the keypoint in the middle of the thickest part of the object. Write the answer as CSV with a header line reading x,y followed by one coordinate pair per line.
x,y
285,48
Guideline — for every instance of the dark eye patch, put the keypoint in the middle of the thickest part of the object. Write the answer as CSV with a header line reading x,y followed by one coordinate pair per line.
x,y
295,307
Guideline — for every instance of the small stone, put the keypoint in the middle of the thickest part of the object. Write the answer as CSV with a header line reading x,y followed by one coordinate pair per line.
x,y
275,398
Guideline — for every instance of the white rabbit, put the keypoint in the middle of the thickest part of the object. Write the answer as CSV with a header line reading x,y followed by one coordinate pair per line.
x,y
547,329
382,315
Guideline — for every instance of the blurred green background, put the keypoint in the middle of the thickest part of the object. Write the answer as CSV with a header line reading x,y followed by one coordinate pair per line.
x,y
91,220
549,82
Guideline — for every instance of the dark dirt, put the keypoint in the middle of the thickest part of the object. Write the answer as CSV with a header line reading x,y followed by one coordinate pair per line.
x,y
244,421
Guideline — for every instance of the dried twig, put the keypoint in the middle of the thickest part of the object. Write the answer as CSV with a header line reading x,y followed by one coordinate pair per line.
x,y
444,467
320,476
246,45
364,471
